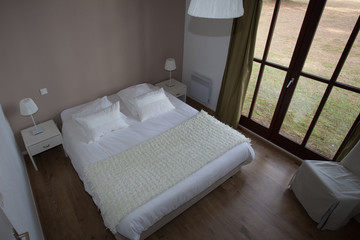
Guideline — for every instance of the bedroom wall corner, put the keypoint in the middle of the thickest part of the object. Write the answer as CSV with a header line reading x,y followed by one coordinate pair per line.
x,y
206,43
81,50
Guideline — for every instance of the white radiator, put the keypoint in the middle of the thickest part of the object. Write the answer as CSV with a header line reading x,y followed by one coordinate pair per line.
x,y
200,88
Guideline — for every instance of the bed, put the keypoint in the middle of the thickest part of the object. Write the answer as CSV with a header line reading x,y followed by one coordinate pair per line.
x,y
132,136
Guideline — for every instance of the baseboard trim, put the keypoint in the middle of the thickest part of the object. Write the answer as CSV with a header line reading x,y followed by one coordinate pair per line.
x,y
198,106
244,129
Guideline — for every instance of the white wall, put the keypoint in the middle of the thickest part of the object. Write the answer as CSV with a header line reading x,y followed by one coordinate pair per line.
x,y
206,43
5,225
17,200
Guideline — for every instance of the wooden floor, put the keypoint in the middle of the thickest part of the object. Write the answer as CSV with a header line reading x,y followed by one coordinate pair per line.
x,y
254,204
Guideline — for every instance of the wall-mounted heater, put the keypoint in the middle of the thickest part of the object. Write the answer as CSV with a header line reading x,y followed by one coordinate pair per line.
x,y
200,88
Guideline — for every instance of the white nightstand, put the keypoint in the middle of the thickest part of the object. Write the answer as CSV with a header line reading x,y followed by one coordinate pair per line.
x,y
178,90
49,138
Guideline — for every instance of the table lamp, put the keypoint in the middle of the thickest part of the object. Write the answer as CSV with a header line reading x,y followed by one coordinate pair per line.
x,y
28,108
170,65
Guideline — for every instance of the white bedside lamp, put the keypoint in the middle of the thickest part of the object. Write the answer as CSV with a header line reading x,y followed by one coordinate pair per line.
x,y
221,9
170,65
28,108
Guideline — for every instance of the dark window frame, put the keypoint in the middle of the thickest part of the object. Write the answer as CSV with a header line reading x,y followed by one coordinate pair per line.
x,y
294,71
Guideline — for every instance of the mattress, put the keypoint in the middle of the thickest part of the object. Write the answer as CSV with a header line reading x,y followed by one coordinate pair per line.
x,y
138,221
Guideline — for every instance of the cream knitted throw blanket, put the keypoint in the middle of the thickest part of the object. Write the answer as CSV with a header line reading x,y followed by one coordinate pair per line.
x,y
127,180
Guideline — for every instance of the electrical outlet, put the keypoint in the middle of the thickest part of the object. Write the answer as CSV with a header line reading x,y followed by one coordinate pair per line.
x,y
43,91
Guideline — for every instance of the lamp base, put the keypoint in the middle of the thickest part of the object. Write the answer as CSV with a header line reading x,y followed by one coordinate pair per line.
x,y
37,131
170,83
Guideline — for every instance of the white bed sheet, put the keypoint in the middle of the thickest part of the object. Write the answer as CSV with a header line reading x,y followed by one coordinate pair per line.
x,y
148,214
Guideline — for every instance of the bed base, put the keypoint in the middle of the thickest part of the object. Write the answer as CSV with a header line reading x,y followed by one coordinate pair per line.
x,y
170,216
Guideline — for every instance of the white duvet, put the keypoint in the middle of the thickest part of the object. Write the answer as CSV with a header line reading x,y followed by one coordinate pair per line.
x,y
131,226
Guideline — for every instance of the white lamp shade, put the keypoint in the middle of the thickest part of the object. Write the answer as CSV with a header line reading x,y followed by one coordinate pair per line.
x,y
170,64
27,107
216,8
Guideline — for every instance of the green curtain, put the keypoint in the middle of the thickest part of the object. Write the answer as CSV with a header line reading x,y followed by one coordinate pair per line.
x,y
239,64
349,143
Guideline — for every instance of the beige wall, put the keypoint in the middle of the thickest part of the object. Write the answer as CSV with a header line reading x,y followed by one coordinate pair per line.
x,y
83,49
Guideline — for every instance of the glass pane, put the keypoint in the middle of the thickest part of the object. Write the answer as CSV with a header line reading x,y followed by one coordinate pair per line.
x,y
336,24
350,72
303,105
263,28
336,119
290,18
270,87
251,88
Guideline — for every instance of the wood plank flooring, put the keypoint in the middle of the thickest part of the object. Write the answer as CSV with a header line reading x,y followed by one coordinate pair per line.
x,y
254,204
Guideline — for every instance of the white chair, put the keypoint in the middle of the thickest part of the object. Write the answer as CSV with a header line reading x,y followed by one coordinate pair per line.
x,y
329,191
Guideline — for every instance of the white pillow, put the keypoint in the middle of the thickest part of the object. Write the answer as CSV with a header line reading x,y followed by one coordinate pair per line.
x,y
92,107
131,92
152,104
102,122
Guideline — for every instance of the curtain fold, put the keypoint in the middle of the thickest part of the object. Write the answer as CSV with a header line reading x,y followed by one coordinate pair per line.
x,y
239,64
349,143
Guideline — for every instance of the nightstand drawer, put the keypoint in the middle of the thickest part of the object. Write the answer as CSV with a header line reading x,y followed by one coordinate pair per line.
x,y
178,91
178,94
45,145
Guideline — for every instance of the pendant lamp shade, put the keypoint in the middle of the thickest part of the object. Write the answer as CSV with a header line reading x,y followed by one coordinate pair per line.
x,y
216,8
28,107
